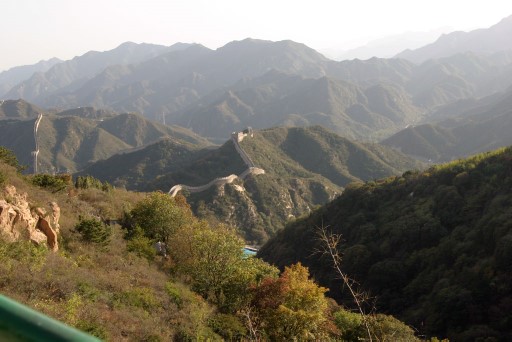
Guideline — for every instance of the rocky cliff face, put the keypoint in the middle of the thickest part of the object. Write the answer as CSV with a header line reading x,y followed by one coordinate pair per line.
x,y
259,206
20,221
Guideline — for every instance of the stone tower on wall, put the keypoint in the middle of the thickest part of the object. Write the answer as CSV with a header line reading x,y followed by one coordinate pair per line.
x,y
241,135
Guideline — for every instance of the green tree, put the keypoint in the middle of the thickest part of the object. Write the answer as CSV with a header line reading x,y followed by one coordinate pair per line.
x,y
158,215
387,328
93,230
141,245
8,157
52,182
350,324
384,328
213,261
87,182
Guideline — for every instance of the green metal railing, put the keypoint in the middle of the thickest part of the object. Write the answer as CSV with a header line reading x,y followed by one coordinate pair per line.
x,y
20,323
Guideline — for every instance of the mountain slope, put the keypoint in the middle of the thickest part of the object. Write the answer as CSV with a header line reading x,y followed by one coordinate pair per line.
x,y
263,84
483,126
304,167
69,143
432,247
173,80
389,46
18,109
69,75
482,41
283,99
461,76
13,76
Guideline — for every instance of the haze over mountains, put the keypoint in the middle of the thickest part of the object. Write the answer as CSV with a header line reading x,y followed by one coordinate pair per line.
x,y
482,42
13,76
479,126
387,47
69,75
264,84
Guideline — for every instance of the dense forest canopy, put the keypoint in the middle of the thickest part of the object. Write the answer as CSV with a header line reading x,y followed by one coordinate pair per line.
x,y
433,247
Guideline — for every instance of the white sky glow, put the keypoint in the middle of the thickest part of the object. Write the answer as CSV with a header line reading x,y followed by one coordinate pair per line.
x,y
31,30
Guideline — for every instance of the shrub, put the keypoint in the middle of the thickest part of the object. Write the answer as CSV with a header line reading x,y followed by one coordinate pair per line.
x,y
350,325
139,297
228,326
159,216
383,327
93,328
93,230
87,182
8,157
141,245
51,182
15,256
174,294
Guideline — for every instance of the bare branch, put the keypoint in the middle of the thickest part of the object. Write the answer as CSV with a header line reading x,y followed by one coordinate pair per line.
x,y
329,247
251,324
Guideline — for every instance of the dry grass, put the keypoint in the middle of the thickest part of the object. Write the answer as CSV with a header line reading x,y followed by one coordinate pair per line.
x,y
104,290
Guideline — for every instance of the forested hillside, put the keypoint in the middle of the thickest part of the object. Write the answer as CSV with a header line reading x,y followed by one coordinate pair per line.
x,y
162,275
304,167
70,140
461,129
433,247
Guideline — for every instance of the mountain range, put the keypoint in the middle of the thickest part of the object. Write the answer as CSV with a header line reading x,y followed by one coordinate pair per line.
x,y
13,76
18,109
69,75
473,127
481,41
387,47
264,84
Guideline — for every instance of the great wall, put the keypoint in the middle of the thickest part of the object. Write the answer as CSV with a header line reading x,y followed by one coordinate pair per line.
x,y
236,138
36,152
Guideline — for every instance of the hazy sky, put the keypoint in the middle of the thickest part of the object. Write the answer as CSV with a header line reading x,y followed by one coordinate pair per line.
x,y
31,30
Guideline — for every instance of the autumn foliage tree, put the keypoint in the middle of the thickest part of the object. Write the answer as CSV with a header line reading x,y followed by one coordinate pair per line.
x,y
291,307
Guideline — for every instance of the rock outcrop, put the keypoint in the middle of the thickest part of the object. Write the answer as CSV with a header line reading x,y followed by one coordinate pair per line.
x,y
18,221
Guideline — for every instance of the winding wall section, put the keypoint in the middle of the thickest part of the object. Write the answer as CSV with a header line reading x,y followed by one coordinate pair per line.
x,y
251,169
36,152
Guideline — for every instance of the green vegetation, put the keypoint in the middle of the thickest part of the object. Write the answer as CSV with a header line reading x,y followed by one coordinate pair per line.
x,y
304,168
54,183
432,247
93,230
110,281
383,327
9,158
70,143
87,182
158,216
18,109
292,307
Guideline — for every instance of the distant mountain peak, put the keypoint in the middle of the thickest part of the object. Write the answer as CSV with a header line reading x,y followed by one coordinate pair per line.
x,y
481,41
